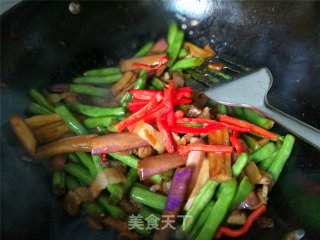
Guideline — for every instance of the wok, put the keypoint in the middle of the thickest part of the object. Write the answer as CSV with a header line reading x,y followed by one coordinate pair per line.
x,y
284,36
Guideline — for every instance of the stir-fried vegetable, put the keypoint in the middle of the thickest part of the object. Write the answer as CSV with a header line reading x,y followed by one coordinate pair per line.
x,y
174,200
237,233
219,211
24,133
155,146
154,200
278,163
203,197
160,163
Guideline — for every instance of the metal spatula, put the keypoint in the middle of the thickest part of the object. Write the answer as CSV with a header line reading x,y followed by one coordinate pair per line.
x,y
246,85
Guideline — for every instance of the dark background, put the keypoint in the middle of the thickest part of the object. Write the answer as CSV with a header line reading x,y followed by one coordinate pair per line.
x,y
284,36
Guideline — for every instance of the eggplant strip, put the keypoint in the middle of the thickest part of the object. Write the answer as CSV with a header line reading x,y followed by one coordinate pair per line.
x,y
150,134
24,133
160,163
148,60
87,143
174,201
66,145
220,163
195,51
121,82
50,132
128,86
40,120
116,142
160,46
195,160
203,177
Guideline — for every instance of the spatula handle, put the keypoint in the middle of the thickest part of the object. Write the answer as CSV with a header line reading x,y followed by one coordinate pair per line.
x,y
306,132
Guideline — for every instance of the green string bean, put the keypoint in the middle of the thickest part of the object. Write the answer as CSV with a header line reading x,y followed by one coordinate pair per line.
x,y
98,79
131,177
87,161
89,90
145,49
39,98
283,155
72,183
151,199
240,163
262,153
250,141
245,187
201,220
172,31
37,109
158,84
102,71
186,63
174,47
266,163
73,158
257,119
146,212
142,80
219,211
202,199
115,211
79,172
70,120
94,209
183,53
238,112
98,122
93,111
116,193
222,109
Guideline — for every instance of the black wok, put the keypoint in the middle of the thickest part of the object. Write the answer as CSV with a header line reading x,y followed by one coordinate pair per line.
x,y
284,36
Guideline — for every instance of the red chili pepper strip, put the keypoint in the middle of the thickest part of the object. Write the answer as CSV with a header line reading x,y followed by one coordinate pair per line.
x,y
169,95
139,100
152,117
160,63
204,148
184,89
148,94
163,129
180,95
187,129
235,142
245,228
134,107
182,101
208,121
104,157
244,124
131,127
137,116
179,114
235,134
144,95
234,127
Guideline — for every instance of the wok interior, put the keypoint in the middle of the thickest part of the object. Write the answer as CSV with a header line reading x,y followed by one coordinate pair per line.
x,y
284,36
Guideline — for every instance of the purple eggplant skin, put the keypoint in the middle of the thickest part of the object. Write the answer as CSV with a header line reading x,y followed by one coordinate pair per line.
x,y
174,201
